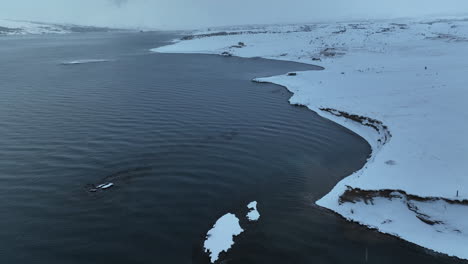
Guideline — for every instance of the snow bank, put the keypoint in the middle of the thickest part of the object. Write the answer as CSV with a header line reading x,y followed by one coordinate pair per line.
x,y
253,214
399,84
220,237
434,224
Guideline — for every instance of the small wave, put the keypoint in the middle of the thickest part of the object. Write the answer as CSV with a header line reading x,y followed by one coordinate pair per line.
x,y
75,62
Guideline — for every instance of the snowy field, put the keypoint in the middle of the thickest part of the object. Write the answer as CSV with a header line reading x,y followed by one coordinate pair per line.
x,y
403,86
12,27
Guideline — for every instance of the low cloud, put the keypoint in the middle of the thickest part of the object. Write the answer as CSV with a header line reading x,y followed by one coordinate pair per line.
x,y
119,3
175,14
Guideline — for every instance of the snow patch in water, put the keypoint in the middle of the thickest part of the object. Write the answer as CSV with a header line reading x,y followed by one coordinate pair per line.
x,y
75,62
253,214
105,185
220,237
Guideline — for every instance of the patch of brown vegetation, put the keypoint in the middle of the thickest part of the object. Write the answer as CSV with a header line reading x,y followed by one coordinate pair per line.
x,y
354,195
364,120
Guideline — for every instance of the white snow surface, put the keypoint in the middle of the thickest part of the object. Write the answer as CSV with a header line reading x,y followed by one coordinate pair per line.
x,y
22,28
220,237
446,234
411,75
253,214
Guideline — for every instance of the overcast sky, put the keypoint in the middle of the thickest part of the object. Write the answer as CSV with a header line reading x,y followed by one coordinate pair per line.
x,y
175,14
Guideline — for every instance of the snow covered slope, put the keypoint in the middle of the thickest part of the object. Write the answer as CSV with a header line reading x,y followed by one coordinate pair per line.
x,y
403,86
11,27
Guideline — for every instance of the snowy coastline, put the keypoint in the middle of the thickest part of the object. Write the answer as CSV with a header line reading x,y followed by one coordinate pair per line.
x,y
401,85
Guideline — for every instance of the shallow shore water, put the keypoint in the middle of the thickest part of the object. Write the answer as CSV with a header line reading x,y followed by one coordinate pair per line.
x,y
184,139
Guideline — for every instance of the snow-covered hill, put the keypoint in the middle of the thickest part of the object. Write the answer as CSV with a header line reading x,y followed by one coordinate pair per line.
x,y
11,27
403,86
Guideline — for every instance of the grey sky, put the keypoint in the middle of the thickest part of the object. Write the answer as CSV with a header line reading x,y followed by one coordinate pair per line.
x,y
172,14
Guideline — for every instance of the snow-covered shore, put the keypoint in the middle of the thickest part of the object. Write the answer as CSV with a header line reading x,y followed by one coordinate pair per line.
x,y
402,85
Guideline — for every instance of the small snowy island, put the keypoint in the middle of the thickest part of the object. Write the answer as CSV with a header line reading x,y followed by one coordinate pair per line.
x,y
403,86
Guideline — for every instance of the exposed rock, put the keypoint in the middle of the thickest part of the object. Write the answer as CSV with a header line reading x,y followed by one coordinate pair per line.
x,y
331,52
238,46
341,31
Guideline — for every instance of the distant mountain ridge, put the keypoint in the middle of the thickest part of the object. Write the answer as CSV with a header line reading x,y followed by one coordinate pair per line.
x,y
13,27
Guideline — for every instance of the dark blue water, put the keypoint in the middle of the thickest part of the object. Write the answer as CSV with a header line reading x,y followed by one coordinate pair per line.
x,y
185,139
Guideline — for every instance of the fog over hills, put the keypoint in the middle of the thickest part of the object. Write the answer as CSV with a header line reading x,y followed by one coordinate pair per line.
x,y
185,14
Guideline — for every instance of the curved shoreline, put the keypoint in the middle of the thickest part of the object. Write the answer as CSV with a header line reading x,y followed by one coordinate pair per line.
x,y
382,137
355,195
392,86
